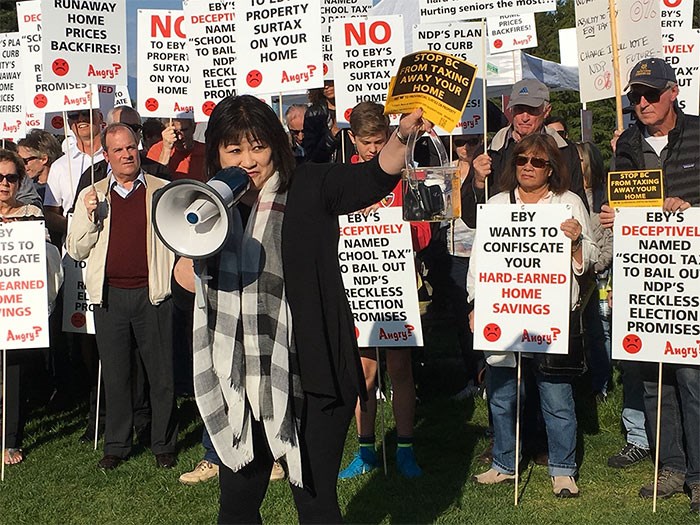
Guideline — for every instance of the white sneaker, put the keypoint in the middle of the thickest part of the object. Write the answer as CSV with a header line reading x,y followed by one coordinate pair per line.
x,y
204,471
277,471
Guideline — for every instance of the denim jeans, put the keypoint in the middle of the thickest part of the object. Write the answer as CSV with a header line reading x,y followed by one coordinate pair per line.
x,y
598,344
680,419
557,402
633,417
210,454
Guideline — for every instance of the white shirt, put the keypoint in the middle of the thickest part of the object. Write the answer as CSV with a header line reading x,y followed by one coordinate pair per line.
x,y
63,181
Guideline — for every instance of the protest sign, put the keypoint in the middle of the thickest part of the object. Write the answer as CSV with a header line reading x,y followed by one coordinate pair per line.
x,y
211,47
511,32
42,95
437,82
522,278
635,188
163,65
638,35
568,50
12,121
24,309
78,314
682,49
451,10
85,41
656,271
376,261
279,46
367,51
463,40
676,14
333,10
121,96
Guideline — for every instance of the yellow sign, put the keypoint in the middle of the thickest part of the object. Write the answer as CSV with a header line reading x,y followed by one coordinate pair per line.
x,y
437,82
635,188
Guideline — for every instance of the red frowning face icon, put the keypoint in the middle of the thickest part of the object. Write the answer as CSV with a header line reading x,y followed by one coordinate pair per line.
x,y
498,43
325,68
77,319
492,332
208,107
40,100
151,104
347,114
60,67
632,343
254,78
57,122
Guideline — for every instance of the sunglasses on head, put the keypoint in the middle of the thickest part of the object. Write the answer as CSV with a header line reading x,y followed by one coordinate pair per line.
x,y
535,162
77,114
27,160
136,127
651,95
463,142
11,178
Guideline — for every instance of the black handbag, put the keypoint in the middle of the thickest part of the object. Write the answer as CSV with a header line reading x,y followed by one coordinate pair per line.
x,y
572,364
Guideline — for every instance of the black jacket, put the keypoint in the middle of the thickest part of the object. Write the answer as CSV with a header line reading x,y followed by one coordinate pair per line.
x,y
319,142
680,159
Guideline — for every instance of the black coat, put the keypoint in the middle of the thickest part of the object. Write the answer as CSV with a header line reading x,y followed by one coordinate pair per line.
x,y
322,319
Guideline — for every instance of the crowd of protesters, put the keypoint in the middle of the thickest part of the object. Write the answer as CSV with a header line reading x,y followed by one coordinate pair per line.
x,y
280,404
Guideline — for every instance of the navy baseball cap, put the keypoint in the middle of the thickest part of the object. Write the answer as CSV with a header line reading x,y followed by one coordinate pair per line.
x,y
652,72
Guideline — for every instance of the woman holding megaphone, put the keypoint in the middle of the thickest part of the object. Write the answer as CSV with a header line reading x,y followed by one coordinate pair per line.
x,y
276,366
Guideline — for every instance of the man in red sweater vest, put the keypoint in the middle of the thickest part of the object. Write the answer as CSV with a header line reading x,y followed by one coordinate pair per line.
x,y
128,280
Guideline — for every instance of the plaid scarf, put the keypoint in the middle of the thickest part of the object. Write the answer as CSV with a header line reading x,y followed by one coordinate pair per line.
x,y
245,361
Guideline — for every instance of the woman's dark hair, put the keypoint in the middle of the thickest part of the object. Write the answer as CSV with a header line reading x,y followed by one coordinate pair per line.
x,y
11,156
246,117
592,166
541,143
316,96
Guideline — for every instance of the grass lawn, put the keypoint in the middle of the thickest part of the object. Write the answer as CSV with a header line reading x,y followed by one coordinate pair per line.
x,y
59,483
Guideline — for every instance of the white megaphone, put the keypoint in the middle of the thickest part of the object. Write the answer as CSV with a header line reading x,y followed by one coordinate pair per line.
x,y
193,219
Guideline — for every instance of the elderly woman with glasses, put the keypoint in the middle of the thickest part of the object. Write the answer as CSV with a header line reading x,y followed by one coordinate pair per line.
x,y
536,174
12,172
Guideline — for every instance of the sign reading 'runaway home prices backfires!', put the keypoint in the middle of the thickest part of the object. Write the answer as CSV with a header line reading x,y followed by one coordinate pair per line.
x,y
437,82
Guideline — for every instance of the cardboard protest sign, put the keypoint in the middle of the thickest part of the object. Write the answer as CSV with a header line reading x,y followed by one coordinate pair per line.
x,y
78,314
676,15
656,271
636,188
437,82
279,45
376,261
681,49
522,278
44,96
367,51
24,308
211,47
163,65
511,32
12,121
451,10
638,34
332,10
463,40
85,41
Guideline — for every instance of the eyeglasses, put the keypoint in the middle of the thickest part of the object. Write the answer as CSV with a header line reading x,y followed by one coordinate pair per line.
x,y
296,131
77,114
136,127
535,162
27,160
462,142
652,96
11,178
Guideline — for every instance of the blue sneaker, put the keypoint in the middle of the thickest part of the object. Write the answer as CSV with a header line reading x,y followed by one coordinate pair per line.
x,y
364,461
406,463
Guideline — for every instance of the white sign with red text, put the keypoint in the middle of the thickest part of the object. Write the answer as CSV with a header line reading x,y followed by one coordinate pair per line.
x,y
366,52
43,95
676,14
24,306
12,116
164,82
211,46
522,278
463,40
332,10
656,271
376,261
451,10
682,51
511,32
85,41
279,43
